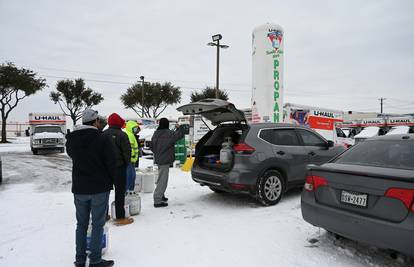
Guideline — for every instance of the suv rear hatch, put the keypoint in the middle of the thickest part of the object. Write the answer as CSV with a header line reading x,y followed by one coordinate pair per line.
x,y
231,123
215,110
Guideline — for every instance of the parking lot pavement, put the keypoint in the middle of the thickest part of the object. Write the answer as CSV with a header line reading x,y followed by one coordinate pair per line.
x,y
199,228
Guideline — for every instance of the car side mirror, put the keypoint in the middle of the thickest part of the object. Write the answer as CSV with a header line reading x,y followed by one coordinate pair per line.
x,y
330,143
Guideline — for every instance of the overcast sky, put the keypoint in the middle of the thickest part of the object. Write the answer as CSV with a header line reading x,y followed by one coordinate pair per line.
x,y
338,54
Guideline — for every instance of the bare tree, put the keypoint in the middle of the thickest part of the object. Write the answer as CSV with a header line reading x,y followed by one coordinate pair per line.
x,y
15,85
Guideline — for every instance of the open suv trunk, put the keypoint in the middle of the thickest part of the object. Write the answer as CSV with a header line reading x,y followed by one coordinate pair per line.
x,y
230,122
208,148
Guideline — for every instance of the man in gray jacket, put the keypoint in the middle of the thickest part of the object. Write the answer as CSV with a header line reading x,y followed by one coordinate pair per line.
x,y
162,145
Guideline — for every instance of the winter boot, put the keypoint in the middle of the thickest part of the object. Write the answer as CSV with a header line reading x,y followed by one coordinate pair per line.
x,y
123,221
103,263
160,205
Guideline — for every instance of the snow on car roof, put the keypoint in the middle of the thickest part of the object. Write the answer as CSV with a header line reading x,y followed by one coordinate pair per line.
x,y
368,132
399,130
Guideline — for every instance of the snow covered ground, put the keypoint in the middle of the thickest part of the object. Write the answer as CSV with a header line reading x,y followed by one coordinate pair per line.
x,y
199,228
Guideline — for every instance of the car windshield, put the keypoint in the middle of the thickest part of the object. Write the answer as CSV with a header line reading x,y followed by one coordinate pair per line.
x,y
48,129
397,154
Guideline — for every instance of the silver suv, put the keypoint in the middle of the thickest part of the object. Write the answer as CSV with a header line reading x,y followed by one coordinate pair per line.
x,y
267,159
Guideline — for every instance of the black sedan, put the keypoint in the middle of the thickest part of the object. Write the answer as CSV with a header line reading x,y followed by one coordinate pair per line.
x,y
366,193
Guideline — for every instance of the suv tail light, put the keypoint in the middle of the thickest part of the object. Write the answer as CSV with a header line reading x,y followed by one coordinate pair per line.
x,y
313,182
405,195
243,148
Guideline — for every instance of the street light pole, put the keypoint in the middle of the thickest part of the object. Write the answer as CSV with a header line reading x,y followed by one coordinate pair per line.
x,y
216,38
217,68
142,95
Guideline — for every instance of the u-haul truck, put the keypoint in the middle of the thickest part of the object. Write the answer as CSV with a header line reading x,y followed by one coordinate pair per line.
x,y
47,131
322,120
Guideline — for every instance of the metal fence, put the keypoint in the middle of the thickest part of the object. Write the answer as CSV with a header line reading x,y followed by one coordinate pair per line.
x,y
16,128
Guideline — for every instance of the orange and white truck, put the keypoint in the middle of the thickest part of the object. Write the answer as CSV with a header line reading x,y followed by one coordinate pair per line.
x,y
47,131
324,121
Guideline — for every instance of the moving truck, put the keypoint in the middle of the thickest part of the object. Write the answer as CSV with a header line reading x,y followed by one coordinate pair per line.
x,y
384,125
323,121
47,131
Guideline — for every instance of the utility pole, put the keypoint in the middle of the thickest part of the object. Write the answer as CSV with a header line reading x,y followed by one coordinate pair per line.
x,y
142,95
382,103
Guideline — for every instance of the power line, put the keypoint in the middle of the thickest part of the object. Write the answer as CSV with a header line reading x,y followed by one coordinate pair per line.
x,y
126,76
130,84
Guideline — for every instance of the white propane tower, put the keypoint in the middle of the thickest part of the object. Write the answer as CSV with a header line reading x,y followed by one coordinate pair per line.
x,y
267,95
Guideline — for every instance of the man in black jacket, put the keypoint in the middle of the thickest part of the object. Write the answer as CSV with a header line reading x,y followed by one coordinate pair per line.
x,y
162,145
123,156
93,156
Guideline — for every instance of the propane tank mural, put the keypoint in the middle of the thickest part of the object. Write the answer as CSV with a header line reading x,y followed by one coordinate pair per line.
x,y
267,95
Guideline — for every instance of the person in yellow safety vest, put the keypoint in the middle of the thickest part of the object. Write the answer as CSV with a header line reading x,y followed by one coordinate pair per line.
x,y
131,130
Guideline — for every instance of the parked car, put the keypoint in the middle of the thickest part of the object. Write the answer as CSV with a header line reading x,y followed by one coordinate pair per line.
x,y
399,130
366,193
145,135
368,132
266,159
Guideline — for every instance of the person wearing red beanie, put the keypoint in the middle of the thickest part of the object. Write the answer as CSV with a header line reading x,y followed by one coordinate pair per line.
x,y
115,120
123,155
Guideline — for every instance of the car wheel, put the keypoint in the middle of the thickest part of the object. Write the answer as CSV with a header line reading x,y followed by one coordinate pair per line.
x,y
215,190
35,151
270,188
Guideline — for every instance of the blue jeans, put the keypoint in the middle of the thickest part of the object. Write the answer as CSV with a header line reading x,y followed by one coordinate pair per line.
x,y
97,204
131,176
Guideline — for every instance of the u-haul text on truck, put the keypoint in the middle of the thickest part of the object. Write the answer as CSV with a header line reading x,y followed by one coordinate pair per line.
x,y
322,120
47,131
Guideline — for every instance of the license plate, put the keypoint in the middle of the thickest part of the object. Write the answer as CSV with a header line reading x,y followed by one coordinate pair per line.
x,y
354,198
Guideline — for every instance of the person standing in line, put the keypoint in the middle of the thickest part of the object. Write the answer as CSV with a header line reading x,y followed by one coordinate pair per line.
x,y
162,145
131,129
139,146
123,155
93,157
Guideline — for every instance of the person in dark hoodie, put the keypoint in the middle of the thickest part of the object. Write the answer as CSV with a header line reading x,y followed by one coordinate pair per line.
x,y
162,145
123,155
93,172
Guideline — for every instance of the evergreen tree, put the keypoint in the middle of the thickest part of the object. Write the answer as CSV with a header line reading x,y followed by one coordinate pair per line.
x,y
74,97
157,97
209,92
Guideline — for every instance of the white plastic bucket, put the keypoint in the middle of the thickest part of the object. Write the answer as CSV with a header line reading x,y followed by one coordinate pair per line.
x,y
113,210
105,239
134,202
148,182
138,181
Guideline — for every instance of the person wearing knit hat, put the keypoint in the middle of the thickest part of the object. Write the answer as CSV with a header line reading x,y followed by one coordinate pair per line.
x,y
93,158
123,155
162,145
